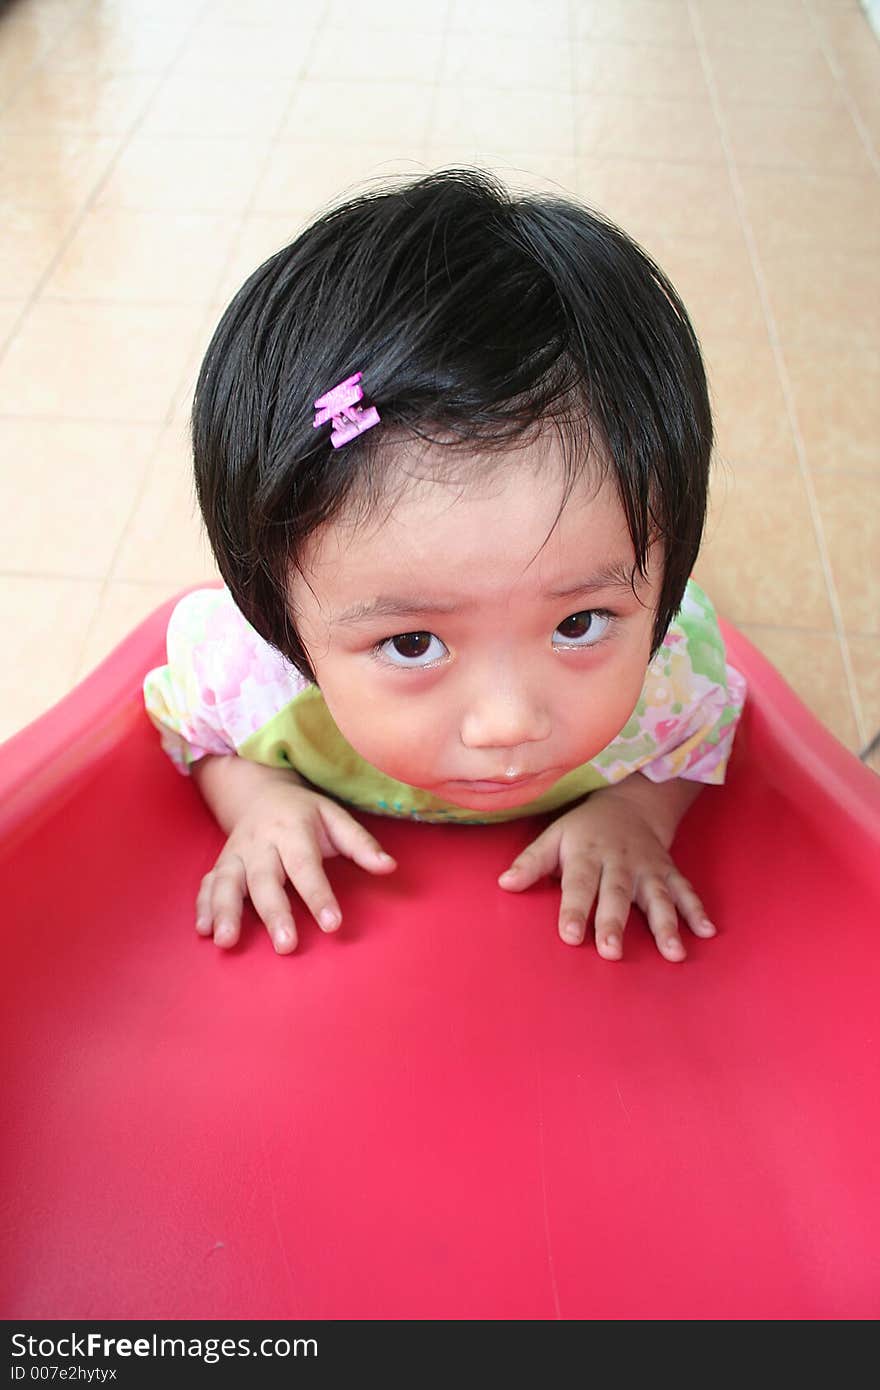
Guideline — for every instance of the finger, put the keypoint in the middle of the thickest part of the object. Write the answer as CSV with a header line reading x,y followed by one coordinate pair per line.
x,y
580,879
689,905
539,858
227,894
659,908
265,885
204,920
612,911
304,867
352,839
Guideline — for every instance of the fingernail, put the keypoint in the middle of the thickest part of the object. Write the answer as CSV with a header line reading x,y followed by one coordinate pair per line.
x,y
329,919
612,942
674,949
224,934
572,932
706,926
384,858
283,937
508,873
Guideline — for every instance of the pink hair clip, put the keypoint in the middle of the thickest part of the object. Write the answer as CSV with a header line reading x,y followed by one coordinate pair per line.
x,y
339,405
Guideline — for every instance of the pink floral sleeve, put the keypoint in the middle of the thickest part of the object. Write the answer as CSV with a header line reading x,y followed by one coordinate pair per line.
x,y
687,715
222,682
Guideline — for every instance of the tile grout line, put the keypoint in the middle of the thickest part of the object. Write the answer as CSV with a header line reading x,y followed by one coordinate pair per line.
x,y
823,470
426,143
577,153
51,45
89,201
246,210
785,382
159,425
573,89
205,323
855,115
87,205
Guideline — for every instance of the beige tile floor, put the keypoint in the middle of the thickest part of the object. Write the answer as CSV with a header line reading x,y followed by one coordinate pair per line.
x,y
153,152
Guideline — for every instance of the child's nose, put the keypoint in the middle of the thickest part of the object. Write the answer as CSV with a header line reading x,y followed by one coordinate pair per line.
x,y
505,718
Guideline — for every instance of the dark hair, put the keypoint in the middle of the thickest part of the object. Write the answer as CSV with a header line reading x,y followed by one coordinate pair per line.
x,y
477,318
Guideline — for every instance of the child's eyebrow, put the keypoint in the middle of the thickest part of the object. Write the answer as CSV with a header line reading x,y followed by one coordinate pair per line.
x,y
617,576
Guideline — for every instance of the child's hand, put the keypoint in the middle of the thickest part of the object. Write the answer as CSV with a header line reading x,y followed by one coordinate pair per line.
x,y
610,846
285,833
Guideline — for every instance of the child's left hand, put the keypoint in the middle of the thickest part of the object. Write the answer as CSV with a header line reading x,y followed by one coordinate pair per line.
x,y
610,846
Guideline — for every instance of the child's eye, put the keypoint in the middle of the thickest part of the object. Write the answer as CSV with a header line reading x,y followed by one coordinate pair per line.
x,y
416,649
585,629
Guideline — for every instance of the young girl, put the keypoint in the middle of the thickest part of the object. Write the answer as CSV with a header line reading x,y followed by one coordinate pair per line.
x,y
451,450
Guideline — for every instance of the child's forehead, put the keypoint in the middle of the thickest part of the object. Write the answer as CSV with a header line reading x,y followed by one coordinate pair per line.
x,y
423,474
518,523
421,479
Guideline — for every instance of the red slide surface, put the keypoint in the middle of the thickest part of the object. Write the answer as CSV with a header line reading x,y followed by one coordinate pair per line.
x,y
442,1112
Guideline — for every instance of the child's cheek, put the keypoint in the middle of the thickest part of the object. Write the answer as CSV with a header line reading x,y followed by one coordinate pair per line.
x,y
611,704
383,734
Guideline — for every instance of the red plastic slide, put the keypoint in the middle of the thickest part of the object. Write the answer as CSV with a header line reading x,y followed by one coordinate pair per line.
x,y
442,1112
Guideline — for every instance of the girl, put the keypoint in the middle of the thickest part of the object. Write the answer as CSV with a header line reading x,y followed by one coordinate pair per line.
x,y
451,450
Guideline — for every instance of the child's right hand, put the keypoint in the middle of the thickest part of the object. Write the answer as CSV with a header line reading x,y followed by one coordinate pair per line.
x,y
286,832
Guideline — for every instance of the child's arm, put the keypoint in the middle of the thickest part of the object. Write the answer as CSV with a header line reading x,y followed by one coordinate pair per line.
x,y
229,785
278,829
615,845
220,678
663,804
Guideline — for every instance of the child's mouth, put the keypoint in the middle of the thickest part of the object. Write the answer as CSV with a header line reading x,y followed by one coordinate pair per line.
x,y
507,785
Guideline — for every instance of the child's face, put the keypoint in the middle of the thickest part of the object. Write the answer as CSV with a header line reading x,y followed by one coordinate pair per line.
x,y
515,687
